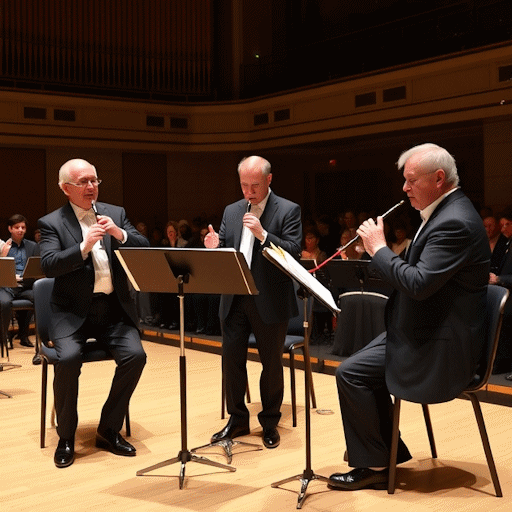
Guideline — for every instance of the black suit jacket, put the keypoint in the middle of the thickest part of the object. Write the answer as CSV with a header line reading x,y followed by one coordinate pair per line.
x,y
435,316
61,258
276,301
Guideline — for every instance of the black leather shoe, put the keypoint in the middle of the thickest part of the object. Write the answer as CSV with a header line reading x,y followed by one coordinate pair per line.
x,y
271,438
230,431
114,442
65,453
26,342
36,359
509,376
359,478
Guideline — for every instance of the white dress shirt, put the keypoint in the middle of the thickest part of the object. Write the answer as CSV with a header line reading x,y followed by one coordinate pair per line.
x,y
102,271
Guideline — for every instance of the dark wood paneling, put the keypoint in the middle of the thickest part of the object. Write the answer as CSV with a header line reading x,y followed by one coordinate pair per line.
x,y
145,188
23,186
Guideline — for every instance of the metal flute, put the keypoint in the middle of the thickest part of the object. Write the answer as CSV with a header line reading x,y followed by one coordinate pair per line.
x,y
348,244
356,238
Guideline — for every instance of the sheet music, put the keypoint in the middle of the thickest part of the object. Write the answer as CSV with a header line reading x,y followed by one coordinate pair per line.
x,y
294,269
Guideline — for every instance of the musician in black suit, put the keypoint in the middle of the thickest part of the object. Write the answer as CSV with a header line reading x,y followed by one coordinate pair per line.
x,y
19,248
250,225
434,318
90,299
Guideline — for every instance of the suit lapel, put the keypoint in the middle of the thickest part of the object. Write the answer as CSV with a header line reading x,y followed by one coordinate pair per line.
x,y
70,222
107,239
238,222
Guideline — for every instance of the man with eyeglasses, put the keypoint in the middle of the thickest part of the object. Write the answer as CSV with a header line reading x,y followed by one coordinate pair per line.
x,y
434,317
90,299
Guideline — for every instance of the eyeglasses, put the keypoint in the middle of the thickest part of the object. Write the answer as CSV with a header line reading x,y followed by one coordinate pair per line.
x,y
84,183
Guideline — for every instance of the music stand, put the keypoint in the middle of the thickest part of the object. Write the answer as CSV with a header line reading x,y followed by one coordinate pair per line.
x,y
169,270
355,275
309,286
7,280
33,268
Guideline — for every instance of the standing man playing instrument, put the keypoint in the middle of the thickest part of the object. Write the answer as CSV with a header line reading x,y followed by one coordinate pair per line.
x,y
90,299
434,318
249,225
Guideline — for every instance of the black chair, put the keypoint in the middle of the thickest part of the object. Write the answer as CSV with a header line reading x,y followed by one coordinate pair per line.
x,y
18,305
93,350
496,298
294,341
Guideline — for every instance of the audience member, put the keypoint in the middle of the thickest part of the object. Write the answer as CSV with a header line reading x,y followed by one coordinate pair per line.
x,y
492,229
354,251
501,275
400,241
311,250
328,235
19,248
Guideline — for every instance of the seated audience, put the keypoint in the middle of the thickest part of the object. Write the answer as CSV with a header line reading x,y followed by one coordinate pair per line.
x,y
311,250
492,229
400,241
354,251
20,249
501,275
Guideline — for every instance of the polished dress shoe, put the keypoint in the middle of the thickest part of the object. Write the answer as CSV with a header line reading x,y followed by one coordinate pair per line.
x,y
26,342
359,478
36,359
65,453
114,442
230,431
271,438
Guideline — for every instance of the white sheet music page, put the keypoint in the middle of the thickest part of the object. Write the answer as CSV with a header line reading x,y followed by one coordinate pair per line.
x,y
293,268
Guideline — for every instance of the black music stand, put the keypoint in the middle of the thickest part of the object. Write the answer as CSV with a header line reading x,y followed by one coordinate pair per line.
x,y
33,268
309,287
356,275
166,270
7,280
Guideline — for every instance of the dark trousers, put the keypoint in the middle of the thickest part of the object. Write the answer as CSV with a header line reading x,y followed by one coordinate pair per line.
x,y
106,323
243,319
367,408
7,295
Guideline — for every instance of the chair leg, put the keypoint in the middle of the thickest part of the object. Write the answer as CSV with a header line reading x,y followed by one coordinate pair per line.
x,y
430,432
485,441
42,434
394,446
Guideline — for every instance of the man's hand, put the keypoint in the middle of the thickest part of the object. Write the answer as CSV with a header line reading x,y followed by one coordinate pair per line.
x,y
252,222
110,227
493,278
211,239
7,247
95,232
372,235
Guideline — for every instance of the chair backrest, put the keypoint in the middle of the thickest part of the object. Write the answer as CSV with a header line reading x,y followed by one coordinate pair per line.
x,y
42,293
496,298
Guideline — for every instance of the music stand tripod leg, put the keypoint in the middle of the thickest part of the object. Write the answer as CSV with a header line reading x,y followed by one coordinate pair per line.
x,y
227,445
308,475
185,454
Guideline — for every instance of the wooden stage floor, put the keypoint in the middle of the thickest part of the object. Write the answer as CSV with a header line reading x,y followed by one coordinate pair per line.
x,y
458,481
